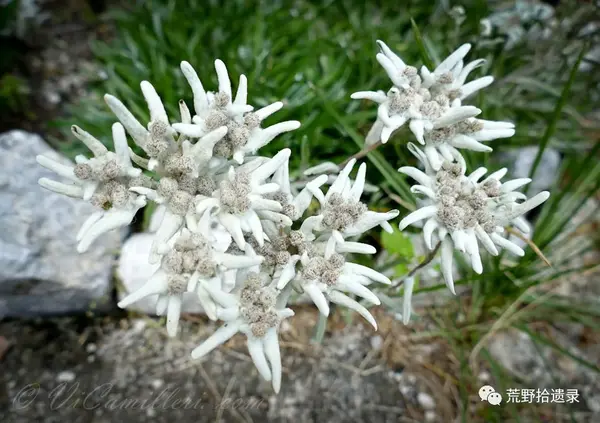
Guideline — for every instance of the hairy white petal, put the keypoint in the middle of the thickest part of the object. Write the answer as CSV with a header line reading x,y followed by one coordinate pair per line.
x,y
521,224
317,297
94,145
409,284
359,269
89,222
359,183
446,263
190,129
257,353
474,86
341,180
134,128
155,105
432,155
464,73
486,241
56,167
343,300
170,224
369,220
200,98
417,175
234,227
514,184
417,215
223,78
455,115
267,111
241,96
376,96
345,283
492,134
161,305
224,299
355,247
395,59
267,169
453,59
418,129
220,336
464,141
112,219
477,174
428,229
505,243
271,344
157,284
173,314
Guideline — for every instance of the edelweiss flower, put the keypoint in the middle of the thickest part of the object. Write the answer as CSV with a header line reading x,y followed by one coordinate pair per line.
x,y
326,277
449,77
239,203
294,206
460,210
158,141
104,180
341,210
429,101
213,110
190,258
254,312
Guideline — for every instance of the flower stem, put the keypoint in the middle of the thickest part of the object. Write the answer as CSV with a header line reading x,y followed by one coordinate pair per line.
x,y
320,329
421,265
362,153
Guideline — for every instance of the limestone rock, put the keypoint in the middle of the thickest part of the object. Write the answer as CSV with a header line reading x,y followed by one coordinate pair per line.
x,y
41,271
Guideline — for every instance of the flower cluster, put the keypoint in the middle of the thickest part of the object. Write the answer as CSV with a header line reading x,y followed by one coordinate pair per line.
x,y
234,230
460,211
231,227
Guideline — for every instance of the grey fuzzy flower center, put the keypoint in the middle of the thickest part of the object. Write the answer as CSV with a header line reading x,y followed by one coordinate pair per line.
x,y
460,206
340,213
234,194
323,270
238,132
257,306
279,251
440,136
190,253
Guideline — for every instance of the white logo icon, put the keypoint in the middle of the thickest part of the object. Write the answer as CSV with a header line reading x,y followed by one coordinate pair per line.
x,y
489,394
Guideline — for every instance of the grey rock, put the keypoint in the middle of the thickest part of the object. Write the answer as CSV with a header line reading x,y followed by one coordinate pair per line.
x,y
519,162
41,271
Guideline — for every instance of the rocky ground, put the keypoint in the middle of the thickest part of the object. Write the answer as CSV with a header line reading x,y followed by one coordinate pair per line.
x,y
126,369
111,369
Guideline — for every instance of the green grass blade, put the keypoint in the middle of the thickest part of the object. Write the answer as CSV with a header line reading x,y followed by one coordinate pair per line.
x,y
557,111
425,57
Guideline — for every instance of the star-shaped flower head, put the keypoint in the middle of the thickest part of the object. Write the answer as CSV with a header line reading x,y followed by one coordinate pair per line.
x,y
240,202
461,210
253,311
328,277
213,110
104,180
341,212
429,101
449,77
189,261
168,153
